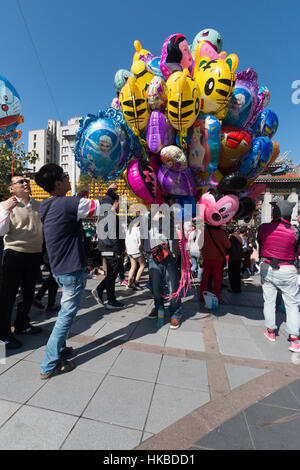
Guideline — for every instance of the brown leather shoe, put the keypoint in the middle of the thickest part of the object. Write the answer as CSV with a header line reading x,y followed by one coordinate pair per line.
x,y
174,323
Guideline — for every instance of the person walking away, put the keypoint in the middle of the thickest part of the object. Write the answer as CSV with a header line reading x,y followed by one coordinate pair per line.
x,y
215,245
279,247
134,250
234,260
64,237
111,249
21,226
194,250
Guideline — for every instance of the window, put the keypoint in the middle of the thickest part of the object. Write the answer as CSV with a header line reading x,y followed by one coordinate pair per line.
x,y
34,136
65,132
65,166
64,149
34,145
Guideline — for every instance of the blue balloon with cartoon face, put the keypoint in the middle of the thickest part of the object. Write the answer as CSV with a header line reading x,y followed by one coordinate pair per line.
x,y
210,35
266,124
104,144
10,112
257,158
239,108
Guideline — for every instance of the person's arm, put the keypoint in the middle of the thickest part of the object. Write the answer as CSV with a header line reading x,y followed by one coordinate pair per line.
x,y
5,209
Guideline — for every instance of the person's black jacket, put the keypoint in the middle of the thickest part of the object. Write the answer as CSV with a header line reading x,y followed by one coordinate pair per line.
x,y
111,243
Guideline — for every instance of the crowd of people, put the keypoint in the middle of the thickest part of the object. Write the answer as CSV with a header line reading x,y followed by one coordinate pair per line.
x,y
61,235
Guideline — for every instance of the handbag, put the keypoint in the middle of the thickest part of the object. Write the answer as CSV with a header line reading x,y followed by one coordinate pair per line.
x,y
160,253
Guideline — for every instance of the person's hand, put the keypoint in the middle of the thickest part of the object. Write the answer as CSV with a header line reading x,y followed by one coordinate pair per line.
x,y
10,203
84,193
113,186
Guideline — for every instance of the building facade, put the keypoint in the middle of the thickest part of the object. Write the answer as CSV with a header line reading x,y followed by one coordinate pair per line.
x,y
55,144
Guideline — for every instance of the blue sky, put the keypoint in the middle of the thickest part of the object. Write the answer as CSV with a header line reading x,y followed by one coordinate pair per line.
x,y
81,44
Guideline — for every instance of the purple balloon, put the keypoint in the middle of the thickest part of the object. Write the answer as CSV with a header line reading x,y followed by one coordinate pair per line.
x,y
160,133
180,183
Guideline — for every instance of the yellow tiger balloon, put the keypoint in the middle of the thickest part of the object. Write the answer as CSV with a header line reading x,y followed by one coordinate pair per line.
x,y
142,75
183,100
133,100
216,80
139,51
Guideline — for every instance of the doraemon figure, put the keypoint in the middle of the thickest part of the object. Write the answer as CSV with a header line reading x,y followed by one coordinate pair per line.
x,y
10,112
211,36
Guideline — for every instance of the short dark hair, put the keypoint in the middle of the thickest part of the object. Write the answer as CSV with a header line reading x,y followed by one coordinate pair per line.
x,y
11,176
230,229
47,176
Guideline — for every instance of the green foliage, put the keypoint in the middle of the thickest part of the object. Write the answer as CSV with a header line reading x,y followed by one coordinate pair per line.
x,y
17,159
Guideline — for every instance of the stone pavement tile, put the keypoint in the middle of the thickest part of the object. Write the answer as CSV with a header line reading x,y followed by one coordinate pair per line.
x,y
222,328
240,347
20,382
137,365
121,401
68,393
95,358
92,435
7,409
273,351
116,330
194,323
232,435
9,362
185,340
273,428
35,429
239,375
147,333
183,373
37,355
284,398
170,404
295,388
29,344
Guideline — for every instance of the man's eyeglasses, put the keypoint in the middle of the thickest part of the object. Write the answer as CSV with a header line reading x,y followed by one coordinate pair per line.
x,y
24,180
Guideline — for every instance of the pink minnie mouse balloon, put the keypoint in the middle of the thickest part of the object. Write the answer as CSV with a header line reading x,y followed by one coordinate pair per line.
x,y
219,209
175,56
142,180
180,183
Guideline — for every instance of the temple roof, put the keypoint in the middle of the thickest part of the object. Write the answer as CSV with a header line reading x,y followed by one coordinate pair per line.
x,y
292,176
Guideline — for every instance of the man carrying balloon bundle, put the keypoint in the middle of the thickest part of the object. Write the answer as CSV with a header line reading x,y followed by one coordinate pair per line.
x,y
61,217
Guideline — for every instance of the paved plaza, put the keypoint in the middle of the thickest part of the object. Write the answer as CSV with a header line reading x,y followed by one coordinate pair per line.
x,y
215,383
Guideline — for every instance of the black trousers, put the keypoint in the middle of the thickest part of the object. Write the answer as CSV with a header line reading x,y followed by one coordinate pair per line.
x,y
19,270
50,285
108,283
234,274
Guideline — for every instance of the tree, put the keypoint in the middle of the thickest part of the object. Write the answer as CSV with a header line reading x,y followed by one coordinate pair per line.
x,y
16,159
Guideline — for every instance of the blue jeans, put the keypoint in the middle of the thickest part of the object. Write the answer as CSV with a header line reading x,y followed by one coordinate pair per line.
x,y
163,273
72,287
286,280
195,265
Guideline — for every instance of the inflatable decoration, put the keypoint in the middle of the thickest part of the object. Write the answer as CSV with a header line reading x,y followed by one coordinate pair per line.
x,y
157,94
160,133
255,161
216,81
139,52
142,74
205,181
180,183
253,191
204,146
204,49
235,143
174,158
120,79
105,144
209,36
264,92
275,153
266,124
232,184
219,209
175,56
188,206
142,180
10,113
134,105
245,103
154,161
246,207
183,100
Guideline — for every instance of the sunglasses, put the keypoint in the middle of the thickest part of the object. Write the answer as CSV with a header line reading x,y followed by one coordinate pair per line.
x,y
24,180
65,176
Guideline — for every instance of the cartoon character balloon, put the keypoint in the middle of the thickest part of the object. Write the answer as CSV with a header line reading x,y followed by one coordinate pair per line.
x,y
254,162
133,101
175,56
204,146
10,113
216,82
235,143
104,144
211,37
266,124
180,183
160,133
219,209
142,180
